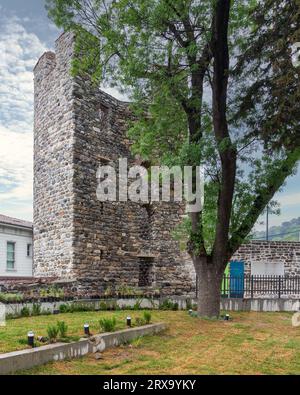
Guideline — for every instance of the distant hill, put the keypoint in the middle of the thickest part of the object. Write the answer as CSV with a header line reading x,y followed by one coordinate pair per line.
x,y
287,231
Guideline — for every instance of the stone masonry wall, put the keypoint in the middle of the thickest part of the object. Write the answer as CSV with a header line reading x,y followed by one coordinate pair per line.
x,y
100,244
53,163
281,253
273,251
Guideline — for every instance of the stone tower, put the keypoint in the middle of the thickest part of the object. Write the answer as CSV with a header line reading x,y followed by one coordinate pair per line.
x,y
76,128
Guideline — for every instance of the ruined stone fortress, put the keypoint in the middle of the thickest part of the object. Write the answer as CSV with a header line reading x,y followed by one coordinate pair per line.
x,y
77,127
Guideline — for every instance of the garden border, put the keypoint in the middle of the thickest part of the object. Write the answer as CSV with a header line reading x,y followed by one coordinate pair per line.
x,y
26,359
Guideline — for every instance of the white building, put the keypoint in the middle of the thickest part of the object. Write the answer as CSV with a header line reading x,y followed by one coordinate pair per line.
x,y
15,247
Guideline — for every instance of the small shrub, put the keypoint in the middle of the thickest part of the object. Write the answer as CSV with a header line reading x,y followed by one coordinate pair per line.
x,y
108,324
147,317
188,304
55,292
24,342
10,298
62,329
137,305
46,312
36,309
140,321
25,312
80,307
168,305
113,306
52,332
103,306
64,308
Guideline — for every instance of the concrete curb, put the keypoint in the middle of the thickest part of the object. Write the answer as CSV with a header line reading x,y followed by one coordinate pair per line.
x,y
26,359
270,305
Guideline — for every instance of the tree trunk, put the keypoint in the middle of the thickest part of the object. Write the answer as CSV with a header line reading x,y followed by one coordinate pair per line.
x,y
209,282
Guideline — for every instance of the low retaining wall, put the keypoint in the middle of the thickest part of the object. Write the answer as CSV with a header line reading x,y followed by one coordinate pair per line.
x,y
260,304
246,304
26,359
15,308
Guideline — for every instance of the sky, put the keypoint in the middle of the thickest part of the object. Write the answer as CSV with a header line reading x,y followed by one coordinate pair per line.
x,y
25,34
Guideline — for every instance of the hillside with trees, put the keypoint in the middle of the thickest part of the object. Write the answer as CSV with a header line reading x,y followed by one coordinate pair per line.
x,y
287,231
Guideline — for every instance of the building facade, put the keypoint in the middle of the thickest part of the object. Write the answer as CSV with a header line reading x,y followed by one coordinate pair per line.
x,y
15,247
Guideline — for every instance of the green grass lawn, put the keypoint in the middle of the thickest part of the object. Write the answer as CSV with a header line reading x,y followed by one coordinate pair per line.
x,y
17,329
251,343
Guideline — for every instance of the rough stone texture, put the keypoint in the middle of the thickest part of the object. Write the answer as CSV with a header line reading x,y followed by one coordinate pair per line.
x,y
100,245
277,253
53,163
272,251
33,288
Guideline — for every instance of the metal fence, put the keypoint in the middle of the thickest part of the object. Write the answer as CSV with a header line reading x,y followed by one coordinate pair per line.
x,y
253,286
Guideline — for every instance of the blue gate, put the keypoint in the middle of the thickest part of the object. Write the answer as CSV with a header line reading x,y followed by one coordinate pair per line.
x,y
236,279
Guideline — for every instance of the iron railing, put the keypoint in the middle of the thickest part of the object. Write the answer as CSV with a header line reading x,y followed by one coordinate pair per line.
x,y
253,286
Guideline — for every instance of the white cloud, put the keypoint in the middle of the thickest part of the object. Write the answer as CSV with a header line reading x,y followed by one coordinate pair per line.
x,y
290,199
20,51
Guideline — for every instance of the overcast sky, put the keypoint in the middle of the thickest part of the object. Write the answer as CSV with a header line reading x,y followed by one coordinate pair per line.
x,y
25,33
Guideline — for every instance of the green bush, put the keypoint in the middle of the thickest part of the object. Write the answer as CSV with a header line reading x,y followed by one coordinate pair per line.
x,y
80,307
168,305
114,306
46,312
103,306
62,329
188,304
64,308
25,312
9,297
140,321
52,332
137,305
147,317
36,309
108,324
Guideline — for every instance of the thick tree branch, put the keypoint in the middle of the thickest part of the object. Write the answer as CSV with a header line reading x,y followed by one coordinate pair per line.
x,y
263,197
226,150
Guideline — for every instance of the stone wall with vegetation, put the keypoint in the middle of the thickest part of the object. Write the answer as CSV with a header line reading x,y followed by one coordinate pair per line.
x,y
102,245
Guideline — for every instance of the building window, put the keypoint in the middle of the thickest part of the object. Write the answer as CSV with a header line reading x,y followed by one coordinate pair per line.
x,y
103,114
145,272
29,250
10,261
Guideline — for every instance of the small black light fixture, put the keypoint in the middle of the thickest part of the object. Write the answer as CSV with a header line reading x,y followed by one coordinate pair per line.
x,y
30,337
226,318
128,320
86,328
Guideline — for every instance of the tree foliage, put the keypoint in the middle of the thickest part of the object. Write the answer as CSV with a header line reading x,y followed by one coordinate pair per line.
x,y
212,82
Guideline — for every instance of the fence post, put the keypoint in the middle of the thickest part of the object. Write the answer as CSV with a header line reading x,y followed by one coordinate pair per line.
x,y
251,285
279,287
196,286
